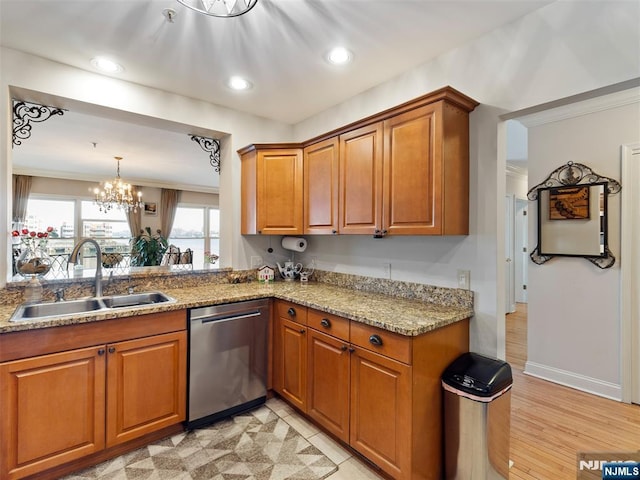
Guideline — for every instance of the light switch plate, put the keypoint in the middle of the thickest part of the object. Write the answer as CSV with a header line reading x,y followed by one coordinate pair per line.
x,y
464,279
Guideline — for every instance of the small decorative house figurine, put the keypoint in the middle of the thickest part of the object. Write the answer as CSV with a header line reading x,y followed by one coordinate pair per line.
x,y
265,274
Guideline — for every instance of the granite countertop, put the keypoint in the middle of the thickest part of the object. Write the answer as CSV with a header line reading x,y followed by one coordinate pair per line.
x,y
401,315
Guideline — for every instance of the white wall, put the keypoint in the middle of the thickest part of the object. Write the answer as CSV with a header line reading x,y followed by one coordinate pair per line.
x,y
562,49
517,184
53,79
574,307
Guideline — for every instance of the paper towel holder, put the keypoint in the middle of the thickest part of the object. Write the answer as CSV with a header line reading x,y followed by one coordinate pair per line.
x,y
295,244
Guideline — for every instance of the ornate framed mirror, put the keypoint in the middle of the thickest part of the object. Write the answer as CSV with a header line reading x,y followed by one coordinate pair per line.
x,y
572,215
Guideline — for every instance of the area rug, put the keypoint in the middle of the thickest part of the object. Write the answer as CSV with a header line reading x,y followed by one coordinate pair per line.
x,y
257,445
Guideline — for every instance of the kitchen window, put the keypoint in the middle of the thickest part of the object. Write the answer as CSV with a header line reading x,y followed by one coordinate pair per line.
x,y
72,220
110,229
196,228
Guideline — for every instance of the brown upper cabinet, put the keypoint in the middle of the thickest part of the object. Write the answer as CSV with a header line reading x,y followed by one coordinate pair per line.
x,y
321,187
404,171
271,190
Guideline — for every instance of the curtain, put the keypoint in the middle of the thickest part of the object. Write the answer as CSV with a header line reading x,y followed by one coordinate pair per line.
x,y
21,190
134,218
168,207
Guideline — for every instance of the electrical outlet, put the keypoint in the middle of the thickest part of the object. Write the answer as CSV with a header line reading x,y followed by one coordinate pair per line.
x,y
386,269
256,261
464,279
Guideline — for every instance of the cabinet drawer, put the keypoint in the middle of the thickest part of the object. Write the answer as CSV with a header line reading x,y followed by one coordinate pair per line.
x,y
381,341
329,324
292,311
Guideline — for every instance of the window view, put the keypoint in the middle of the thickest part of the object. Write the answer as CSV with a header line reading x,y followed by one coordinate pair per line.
x,y
60,216
195,228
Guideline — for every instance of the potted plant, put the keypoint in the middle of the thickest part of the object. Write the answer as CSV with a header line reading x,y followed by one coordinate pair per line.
x,y
147,249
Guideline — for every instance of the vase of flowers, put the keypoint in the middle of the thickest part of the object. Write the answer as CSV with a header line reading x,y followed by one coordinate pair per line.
x,y
33,261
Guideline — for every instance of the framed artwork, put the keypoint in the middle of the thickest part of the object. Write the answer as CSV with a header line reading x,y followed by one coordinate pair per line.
x,y
150,208
569,203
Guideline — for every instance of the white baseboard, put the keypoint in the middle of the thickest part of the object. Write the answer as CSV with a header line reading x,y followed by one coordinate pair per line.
x,y
574,380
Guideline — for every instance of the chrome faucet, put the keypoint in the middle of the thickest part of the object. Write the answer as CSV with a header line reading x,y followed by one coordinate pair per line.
x,y
73,258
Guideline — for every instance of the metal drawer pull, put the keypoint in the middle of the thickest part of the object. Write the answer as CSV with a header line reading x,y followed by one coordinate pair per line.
x,y
112,349
343,348
101,351
302,330
292,311
375,340
325,322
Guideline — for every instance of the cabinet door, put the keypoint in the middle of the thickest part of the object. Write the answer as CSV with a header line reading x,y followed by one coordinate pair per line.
x,y
279,192
413,172
381,411
51,410
360,206
321,187
328,383
291,378
146,385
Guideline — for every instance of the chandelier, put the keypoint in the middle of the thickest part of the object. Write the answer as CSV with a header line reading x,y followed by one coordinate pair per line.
x,y
220,8
117,193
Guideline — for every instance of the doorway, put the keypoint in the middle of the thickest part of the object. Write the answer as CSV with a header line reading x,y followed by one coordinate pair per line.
x,y
630,271
516,242
521,255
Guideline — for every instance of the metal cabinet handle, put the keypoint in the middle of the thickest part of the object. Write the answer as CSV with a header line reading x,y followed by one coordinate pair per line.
x,y
302,330
375,340
351,350
334,232
101,351
112,349
344,348
291,312
325,322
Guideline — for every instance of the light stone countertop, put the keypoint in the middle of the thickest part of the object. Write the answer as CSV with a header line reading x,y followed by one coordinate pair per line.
x,y
404,316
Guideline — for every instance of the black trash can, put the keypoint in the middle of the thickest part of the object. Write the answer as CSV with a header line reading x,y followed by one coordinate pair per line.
x,y
477,418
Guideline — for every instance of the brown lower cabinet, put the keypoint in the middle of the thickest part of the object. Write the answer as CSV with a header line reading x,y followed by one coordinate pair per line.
x,y
374,390
60,406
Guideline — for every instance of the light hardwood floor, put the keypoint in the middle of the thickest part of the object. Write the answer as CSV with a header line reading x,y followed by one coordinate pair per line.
x,y
550,423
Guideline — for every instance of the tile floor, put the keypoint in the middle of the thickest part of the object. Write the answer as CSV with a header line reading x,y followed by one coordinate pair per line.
x,y
349,466
185,456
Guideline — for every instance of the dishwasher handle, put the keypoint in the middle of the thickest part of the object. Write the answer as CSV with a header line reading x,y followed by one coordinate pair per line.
x,y
207,318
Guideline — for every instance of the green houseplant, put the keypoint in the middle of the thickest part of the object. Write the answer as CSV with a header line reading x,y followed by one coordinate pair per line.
x,y
147,249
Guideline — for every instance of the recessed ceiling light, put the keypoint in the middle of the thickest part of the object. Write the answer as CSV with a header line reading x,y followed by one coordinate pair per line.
x,y
106,65
339,56
239,83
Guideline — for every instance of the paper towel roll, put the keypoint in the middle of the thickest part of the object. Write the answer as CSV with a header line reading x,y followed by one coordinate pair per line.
x,y
297,244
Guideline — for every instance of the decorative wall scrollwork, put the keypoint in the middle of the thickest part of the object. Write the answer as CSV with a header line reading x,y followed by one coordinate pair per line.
x,y
212,147
24,114
574,174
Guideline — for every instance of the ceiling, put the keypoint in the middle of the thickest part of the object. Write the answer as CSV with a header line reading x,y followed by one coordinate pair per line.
x,y
279,46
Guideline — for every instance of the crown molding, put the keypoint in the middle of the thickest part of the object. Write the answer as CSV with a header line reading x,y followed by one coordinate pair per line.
x,y
133,181
584,107
516,171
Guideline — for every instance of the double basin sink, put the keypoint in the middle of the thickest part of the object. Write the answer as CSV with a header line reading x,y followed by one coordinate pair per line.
x,y
48,310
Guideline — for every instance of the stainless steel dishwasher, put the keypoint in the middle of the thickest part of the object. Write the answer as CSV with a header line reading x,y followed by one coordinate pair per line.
x,y
227,360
